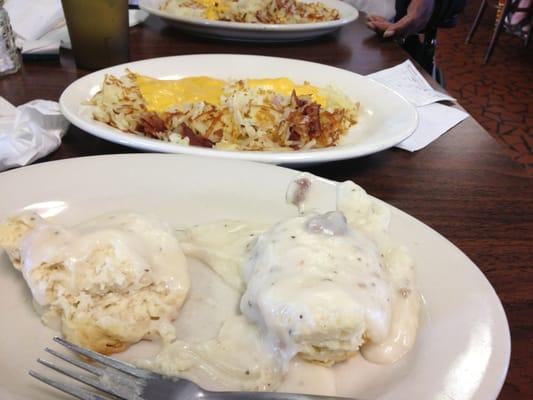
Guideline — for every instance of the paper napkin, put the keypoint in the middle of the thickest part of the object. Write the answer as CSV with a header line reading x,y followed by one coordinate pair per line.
x,y
40,47
434,119
43,30
29,132
61,37
32,19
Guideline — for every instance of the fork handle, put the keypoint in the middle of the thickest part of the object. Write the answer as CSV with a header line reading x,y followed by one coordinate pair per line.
x,y
265,396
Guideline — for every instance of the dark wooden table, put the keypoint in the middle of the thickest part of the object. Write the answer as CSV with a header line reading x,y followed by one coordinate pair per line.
x,y
462,185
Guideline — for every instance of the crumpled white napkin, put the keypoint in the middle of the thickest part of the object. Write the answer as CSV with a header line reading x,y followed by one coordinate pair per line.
x,y
42,30
434,119
29,132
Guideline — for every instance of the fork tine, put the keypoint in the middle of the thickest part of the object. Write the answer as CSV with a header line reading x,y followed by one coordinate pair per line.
x,y
95,383
110,362
79,393
74,361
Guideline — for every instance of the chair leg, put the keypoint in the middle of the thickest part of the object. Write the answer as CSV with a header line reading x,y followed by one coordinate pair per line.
x,y
497,30
480,13
438,76
530,27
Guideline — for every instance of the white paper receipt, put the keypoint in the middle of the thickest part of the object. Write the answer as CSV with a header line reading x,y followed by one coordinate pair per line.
x,y
406,80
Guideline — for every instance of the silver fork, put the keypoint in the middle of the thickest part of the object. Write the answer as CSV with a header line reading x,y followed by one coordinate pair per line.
x,y
125,381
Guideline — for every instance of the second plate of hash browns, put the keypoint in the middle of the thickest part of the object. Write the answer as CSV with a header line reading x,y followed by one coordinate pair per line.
x,y
278,111
255,20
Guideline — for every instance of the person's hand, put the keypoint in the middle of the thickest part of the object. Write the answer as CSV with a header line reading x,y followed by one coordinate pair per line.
x,y
418,15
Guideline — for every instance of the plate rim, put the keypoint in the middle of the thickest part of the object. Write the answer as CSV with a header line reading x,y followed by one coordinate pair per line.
x,y
289,157
481,277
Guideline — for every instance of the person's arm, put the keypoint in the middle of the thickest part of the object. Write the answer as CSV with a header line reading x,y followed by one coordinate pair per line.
x,y
418,15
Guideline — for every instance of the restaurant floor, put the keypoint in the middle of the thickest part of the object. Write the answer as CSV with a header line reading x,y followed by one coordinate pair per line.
x,y
498,95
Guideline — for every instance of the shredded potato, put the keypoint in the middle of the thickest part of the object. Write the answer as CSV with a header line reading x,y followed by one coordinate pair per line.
x,y
245,119
253,11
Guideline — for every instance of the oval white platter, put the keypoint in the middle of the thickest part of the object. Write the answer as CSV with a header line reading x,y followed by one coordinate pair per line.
x,y
463,347
386,118
251,32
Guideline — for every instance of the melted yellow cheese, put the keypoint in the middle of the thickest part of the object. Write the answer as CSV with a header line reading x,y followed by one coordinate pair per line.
x,y
161,95
213,8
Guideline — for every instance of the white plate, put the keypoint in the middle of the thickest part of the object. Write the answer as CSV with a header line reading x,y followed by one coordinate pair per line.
x,y
386,118
255,32
463,348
